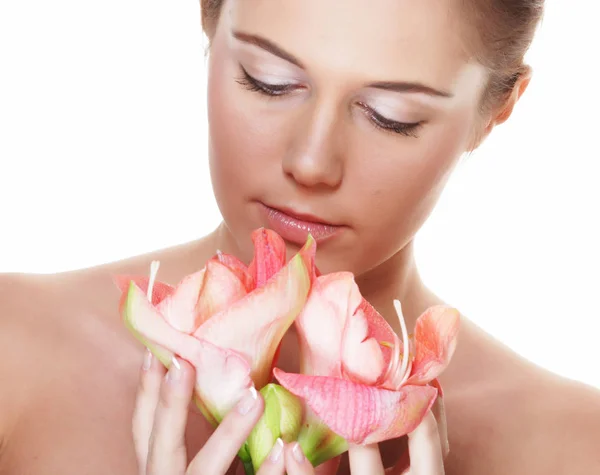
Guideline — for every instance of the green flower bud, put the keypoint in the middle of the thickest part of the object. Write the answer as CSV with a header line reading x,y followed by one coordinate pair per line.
x,y
282,418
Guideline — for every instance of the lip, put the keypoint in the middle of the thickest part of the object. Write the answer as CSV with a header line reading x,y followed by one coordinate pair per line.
x,y
295,227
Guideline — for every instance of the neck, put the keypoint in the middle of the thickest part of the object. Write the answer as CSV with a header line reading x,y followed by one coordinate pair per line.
x,y
397,278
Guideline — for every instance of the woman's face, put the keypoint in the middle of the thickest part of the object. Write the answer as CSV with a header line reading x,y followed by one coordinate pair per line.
x,y
350,116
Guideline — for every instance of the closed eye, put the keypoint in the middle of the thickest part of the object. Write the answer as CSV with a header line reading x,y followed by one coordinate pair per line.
x,y
253,84
408,129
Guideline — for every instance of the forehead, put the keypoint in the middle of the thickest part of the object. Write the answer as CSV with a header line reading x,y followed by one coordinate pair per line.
x,y
418,40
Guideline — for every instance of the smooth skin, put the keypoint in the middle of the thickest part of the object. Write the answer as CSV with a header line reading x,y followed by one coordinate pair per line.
x,y
160,420
70,376
69,372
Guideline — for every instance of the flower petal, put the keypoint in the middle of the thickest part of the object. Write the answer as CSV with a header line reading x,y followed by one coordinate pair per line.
x,y
160,290
179,308
362,357
269,255
379,329
221,288
437,385
435,340
146,321
308,253
255,325
332,299
221,375
237,267
359,413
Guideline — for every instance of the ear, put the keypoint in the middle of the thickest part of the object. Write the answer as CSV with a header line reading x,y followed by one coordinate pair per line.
x,y
501,113
519,88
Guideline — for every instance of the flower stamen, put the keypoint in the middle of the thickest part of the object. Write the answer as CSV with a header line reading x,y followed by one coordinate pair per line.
x,y
405,342
153,271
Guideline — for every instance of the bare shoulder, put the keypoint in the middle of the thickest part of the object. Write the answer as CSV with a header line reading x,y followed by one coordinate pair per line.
x,y
573,426
559,429
522,419
22,299
175,262
47,320
30,303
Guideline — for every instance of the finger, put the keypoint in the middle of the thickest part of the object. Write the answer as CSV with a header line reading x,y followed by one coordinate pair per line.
x,y
167,453
425,448
365,459
274,464
439,411
220,450
145,405
295,461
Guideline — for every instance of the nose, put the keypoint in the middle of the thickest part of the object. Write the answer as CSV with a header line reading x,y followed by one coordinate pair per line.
x,y
314,156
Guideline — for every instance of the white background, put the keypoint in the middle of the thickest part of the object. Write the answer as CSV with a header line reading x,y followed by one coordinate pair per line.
x,y
103,156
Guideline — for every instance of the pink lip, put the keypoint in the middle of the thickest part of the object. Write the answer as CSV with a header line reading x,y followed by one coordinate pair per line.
x,y
295,227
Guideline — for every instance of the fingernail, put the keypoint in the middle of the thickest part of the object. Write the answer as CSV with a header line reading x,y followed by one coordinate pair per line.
x,y
247,401
297,453
174,373
276,451
147,360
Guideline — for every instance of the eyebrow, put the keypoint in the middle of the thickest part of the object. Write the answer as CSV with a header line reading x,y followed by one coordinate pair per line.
x,y
268,46
393,86
410,87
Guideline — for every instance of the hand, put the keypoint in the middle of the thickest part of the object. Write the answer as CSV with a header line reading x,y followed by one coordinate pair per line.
x,y
160,419
427,449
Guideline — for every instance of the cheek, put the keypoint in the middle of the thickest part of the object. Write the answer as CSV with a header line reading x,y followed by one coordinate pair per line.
x,y
241,143
245,148
400,182
234,138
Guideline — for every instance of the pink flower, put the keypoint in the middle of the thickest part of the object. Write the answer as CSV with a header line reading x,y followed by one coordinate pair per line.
x,y
227,319
358,377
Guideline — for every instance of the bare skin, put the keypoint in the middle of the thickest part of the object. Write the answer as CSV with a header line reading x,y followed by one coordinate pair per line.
x,y
70,373
328,143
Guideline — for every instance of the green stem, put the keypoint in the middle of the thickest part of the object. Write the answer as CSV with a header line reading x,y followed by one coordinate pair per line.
x,y
249,468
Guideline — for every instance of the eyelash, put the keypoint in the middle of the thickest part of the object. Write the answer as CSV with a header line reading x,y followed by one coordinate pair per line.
x,y
402,128
273,91
255,85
